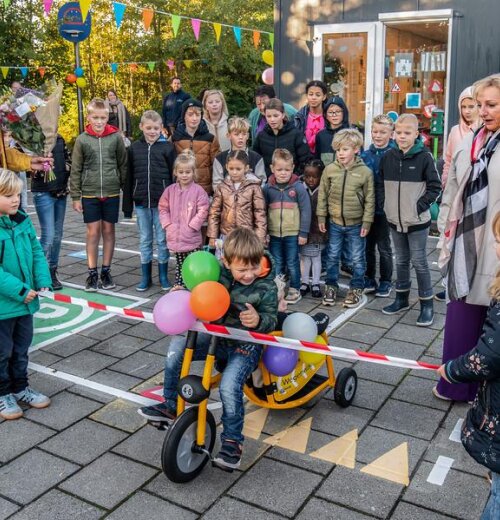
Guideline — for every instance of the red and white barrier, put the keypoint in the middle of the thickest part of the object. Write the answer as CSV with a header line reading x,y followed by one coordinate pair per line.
x,y
254,337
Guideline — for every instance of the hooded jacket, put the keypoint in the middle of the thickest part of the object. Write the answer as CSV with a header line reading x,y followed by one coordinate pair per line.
x,y
255,117
232,208
255,162
182,214
347,196
99,164
150,168
13,159
410,185
288,137
62,165
22,266
457,133
262,294
288,208
172,107
203,144
324,150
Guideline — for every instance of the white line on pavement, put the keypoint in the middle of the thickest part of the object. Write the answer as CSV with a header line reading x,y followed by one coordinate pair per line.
x,y
440,470
455,434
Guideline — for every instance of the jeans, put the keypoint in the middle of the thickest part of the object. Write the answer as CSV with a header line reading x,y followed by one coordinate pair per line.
x,y
379,237
412,246
24,191
51,212
285,252
242,360
16,335
492,509
147,220
347,238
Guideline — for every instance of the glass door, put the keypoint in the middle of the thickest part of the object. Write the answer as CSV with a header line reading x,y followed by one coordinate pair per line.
x,y
345,58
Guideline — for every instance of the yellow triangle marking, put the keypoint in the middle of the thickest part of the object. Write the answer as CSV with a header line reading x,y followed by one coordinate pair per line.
x,y
254,422
294,438
341,451
392,465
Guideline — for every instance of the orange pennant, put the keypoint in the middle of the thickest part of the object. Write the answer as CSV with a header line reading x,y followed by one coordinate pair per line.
x,y
256,39
133,67
147,17
41,71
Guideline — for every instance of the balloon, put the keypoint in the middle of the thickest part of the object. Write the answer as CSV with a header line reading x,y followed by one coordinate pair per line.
x,y
268,76
79,72
172,313
268,57
81,82
434,211
265,266
313,359
209,301
71,78
301,326
280,361
199,267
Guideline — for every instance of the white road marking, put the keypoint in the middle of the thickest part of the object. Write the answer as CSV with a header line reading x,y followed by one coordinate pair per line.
x,y
455,434
439,471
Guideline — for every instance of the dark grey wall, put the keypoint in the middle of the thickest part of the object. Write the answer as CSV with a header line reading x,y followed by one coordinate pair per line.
x,y
475,47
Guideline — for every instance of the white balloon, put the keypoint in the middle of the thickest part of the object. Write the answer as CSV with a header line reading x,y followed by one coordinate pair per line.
x,y
300,326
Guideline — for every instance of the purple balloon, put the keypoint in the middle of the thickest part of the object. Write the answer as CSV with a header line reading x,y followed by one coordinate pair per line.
x,y
172,313
280,361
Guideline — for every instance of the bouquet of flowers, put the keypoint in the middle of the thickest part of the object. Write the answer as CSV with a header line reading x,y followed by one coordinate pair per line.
x,y
32,117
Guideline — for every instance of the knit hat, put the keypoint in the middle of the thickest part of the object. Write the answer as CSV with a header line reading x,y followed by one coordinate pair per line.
x,y
191,102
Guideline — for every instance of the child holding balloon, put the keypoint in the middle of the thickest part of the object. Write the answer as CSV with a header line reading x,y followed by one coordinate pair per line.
x,y
250,288
183,209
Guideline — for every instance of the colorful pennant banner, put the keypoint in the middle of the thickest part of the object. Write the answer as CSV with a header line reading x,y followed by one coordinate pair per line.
x,y
119,10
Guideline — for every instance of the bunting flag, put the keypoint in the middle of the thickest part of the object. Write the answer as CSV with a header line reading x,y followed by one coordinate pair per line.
x,y
151,65
271,40
84,8
196,25
5,71
176,21
6,3
119,10
188,63
217,30
133,67
47,4
114,67
41,71
147,17
170,64
24,71
256,39
237,35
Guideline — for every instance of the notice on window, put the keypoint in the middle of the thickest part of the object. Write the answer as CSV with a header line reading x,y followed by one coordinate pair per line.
x,y
433,61
403,64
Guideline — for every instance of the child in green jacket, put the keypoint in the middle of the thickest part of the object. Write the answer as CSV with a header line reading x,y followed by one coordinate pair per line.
x,y
23,272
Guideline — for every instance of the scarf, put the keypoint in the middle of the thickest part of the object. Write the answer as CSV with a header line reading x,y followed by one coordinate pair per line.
x,y
120,112
315,123
464,232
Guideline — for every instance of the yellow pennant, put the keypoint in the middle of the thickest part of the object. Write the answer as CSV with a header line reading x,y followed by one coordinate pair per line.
x,y
217,30
84,8
188,63
5,71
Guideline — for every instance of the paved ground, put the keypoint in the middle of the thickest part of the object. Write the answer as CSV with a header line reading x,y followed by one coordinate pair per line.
x,y
90,455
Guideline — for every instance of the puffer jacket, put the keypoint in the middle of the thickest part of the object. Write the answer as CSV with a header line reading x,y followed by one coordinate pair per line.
x,y
99,164
410,185
480,432
288,208
255,117
347,196
204,146
182,214
289,138
219,130
232,208
262,294
324,150
150,169
22,266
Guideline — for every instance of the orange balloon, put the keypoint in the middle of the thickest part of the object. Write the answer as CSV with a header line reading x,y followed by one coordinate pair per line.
x,y
71,78
265,266
209,301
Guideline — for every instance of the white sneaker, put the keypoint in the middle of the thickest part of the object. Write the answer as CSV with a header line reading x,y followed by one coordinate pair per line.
x,y
293,296
32,398
9,409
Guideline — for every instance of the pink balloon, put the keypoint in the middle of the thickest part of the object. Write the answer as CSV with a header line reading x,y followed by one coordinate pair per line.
x,y
172,313
268,76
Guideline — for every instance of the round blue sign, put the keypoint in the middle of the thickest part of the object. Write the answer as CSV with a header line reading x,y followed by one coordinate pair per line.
x,y
70,24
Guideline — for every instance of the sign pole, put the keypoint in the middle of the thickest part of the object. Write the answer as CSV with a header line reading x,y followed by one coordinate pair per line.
x,y
81,126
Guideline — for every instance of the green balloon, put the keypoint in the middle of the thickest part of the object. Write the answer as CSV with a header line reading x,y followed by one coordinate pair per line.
x,y
199,267
434,211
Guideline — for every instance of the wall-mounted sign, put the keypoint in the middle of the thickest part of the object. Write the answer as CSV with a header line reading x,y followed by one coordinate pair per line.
x,y
396,88
403,64
435,87
413,100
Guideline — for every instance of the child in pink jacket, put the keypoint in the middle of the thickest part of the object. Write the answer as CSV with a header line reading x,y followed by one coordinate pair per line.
x,y
183,210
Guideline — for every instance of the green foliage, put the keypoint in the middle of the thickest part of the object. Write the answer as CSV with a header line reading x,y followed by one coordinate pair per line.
x,y
29,38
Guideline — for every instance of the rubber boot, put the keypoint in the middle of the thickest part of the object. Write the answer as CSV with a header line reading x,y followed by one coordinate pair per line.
x,y
400,303
146,281
56,283
426,316
163,272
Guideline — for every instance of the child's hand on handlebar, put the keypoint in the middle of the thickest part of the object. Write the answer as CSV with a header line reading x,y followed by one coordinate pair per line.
x,y
249,318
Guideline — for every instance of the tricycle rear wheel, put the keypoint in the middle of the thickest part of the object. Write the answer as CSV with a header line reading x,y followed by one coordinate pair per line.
x,y
346,385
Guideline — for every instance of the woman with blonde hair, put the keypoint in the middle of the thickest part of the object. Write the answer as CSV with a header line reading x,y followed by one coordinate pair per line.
x,y
215,114
468,260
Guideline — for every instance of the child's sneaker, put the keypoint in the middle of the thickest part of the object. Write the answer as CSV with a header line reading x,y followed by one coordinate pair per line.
x,y
440,296
229,456
353,298
347,270
293,296
107,280
370,285
9,409
158,413
384,290
304,289
32,398
330,295
92,282
316,291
